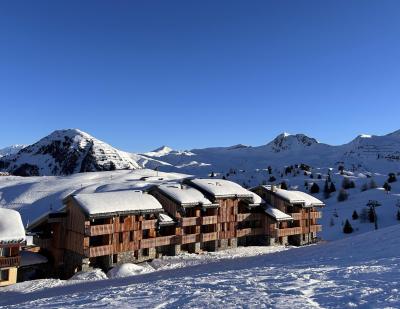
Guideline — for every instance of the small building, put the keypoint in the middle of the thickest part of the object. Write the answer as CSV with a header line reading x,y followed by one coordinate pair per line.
x,y
293,215
104,229
12,238
239,212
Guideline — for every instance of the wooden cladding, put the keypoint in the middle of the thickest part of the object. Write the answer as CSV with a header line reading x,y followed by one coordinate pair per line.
x,y
305,215
296,230
12,261
208,220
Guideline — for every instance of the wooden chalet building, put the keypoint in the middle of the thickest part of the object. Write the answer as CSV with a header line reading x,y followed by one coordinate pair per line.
x,y
293,215
12,237
196,216
239,215
104,229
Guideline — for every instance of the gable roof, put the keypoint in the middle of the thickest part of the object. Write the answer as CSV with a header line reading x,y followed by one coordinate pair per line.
x,y
117,202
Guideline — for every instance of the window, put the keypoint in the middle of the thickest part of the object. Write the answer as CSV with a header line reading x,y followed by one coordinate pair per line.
x,y
121,238
5,251
4,274
131,236
121,219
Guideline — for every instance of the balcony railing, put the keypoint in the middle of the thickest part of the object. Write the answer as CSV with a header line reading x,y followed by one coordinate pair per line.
x,y
11,261
209,236
190,221
209,220
98,251
187,239
303,216
102,229
149,224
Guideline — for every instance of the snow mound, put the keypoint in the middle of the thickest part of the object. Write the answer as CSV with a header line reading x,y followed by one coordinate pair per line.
x,y
128,269
95,274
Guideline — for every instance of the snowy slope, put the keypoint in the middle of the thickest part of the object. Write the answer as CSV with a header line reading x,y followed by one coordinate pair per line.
x,y
35,196
362,271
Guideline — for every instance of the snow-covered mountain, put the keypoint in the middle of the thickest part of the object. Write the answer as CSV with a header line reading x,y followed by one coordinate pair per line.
x,y
13,149
71,151
65,152
371,153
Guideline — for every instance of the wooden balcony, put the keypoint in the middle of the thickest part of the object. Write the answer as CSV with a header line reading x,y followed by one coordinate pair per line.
x,y
148,224
102,229
249,217
243,232
190,221
289,231
208,236
148,243
167,240
188,239
98,251
312,229
304,216
226,234
208,220
12,261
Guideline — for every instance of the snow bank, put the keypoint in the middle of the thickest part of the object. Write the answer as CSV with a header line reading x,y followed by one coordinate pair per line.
x,y
95,274
128,269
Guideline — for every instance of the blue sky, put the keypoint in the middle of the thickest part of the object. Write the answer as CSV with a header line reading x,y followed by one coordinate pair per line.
x,y
140,74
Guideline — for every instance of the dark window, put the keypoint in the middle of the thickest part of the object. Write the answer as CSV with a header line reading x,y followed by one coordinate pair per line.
x,y
121,219
121,238
131,236
5,251
4,275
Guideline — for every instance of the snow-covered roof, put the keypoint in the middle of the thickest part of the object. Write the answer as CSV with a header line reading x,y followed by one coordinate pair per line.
x,y
11,228
185,195
297,197
117,202
29,258
222,188
276,213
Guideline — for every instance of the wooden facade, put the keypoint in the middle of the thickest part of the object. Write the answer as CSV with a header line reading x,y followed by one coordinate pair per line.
x,y
74,240
303,227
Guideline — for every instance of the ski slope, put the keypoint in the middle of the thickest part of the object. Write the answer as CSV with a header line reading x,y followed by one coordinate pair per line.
x,y
358,272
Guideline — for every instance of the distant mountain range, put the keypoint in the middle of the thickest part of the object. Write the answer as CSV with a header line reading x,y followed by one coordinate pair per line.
x,y
70,151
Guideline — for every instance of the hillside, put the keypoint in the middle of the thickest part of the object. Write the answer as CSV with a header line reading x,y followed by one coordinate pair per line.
x,y
362,271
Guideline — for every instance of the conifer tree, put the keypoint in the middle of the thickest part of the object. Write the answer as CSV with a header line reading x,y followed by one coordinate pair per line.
x,y
347,229
355,215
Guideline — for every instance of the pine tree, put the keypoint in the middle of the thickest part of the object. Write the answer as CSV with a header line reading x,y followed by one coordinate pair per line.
x,y
332,188
347,229
387,187
342,196
284,185
392,177
314,188
355,215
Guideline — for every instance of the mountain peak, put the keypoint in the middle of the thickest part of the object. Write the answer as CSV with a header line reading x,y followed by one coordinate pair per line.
x,y
286,141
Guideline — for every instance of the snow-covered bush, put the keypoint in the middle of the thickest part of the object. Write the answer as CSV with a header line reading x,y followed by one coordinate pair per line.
x,y
128,269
